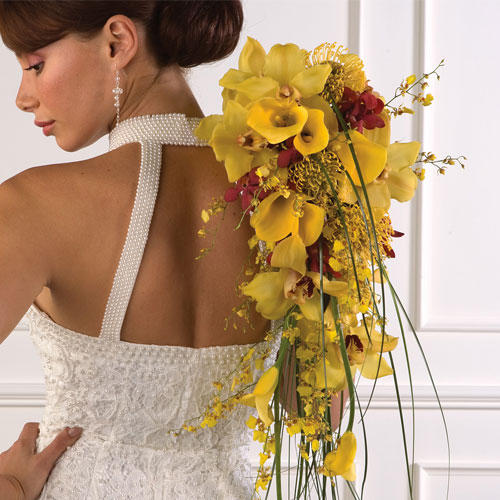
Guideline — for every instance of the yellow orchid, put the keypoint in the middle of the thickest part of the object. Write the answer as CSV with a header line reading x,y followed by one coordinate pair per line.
x,y
364,351
340,462
233,142
276,291
277,119
278,216
262,393
396,180
333,366
402,181
280,73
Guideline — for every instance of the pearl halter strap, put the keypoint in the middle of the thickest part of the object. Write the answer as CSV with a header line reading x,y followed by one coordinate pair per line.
x,y
151,131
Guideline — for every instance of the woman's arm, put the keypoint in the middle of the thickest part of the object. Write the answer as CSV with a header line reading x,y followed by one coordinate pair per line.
x,y
23,472
288,393
24,268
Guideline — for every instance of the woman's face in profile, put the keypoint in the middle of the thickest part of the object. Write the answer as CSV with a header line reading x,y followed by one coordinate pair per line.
x,y
68,84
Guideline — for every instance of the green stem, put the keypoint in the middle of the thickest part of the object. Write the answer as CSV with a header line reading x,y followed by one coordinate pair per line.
x,y
277,436
284,349
347,366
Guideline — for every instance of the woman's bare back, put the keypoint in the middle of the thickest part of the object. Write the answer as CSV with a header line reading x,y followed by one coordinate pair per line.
x,y
177,300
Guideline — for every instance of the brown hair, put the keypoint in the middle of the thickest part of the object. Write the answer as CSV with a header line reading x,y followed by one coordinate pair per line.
x,y
187,33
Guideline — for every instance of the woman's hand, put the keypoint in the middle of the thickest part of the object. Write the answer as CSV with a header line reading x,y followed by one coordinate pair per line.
x,y
23,472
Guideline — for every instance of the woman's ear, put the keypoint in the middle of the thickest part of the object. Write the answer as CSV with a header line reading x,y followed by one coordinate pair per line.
x,y
121,37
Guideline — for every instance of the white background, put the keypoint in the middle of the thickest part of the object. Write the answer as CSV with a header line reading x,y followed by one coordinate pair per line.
x,y
446,268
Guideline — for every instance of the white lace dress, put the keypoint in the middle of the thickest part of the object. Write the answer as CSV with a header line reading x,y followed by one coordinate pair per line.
x,y
128,396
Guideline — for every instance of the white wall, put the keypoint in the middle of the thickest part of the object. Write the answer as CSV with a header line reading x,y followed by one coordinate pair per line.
x,y
446,268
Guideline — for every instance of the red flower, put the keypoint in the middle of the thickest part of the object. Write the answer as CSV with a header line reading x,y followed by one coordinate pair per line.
x,y
246,187
313,254
361,109
289,155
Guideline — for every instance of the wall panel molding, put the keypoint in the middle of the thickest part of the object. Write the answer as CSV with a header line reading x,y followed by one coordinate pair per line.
x,y
426,471
426,320
452,397
22,394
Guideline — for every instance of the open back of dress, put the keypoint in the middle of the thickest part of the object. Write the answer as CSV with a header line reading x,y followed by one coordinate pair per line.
x,y
127,396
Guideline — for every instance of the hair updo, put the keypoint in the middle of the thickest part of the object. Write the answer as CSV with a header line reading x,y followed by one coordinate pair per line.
x,y
186,33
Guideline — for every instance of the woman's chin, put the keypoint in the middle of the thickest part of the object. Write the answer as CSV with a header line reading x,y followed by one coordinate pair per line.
x,y
68,146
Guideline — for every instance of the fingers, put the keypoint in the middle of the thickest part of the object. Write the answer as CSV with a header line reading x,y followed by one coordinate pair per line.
x,y
29,432
54,450
27,438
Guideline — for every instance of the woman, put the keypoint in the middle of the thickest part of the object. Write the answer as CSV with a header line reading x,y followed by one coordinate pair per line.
x,y
129,325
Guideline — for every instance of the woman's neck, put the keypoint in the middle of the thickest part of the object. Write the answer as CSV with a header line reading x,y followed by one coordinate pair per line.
x,y
167,92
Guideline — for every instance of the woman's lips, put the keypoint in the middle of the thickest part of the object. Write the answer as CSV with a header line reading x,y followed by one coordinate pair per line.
x,y
47,128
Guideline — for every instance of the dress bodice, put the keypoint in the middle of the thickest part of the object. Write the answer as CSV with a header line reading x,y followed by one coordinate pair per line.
x,y
128,396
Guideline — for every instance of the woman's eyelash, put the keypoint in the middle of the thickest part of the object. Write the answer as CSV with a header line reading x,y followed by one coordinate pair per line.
x,y
36,67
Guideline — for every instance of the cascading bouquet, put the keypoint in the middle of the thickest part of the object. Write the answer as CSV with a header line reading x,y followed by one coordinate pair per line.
x,y
306,143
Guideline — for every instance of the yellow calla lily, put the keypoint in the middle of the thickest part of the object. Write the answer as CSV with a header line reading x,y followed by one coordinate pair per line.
x,y
371,156
277,119
340,462
274,219
318,102
291,253
311,223
314,135
262,393
277,217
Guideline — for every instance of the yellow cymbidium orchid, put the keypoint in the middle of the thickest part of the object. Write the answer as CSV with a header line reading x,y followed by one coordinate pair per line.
x,y
278,216
262,394
396,180
365,351
277,119
280,73
233,142
276,291
402,181
334,368
340,462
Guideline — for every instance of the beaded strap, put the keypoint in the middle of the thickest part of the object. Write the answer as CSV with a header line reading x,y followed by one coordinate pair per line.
x,y
151,131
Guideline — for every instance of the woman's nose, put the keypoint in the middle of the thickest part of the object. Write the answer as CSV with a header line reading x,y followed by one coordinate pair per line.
x,y
25,100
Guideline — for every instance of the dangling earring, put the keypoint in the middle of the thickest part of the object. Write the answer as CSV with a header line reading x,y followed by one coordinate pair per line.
x,y
117,91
